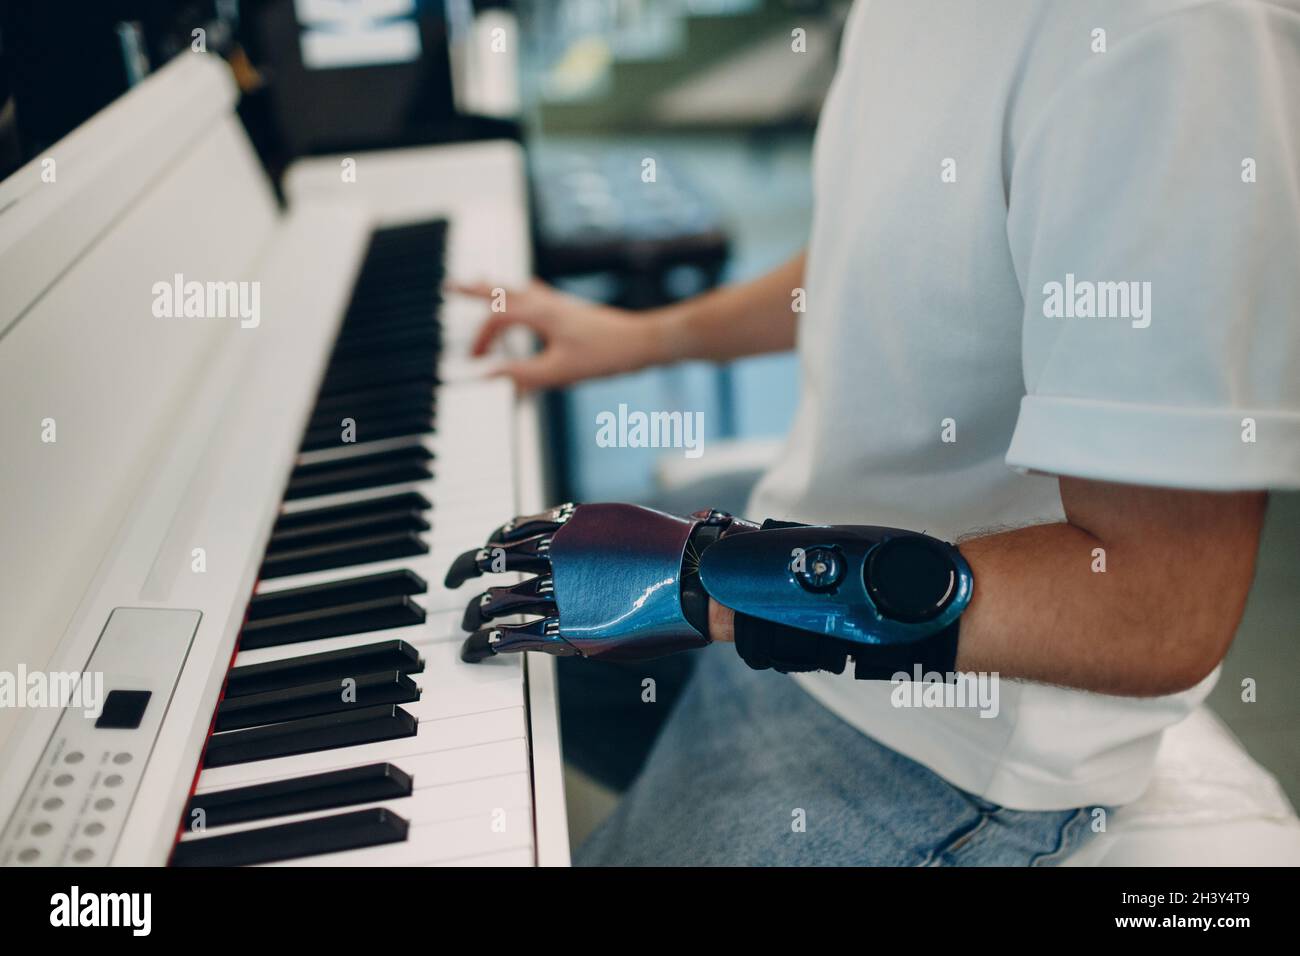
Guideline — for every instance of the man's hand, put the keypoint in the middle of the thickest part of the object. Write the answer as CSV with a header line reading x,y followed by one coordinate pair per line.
x,y
1158,619
580,339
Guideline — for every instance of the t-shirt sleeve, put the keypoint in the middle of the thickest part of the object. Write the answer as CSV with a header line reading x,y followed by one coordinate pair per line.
x,y
1154,222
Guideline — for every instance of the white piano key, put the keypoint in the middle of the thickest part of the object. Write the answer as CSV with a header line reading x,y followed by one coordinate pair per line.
x,y
496,759
464,369
436,704
504,858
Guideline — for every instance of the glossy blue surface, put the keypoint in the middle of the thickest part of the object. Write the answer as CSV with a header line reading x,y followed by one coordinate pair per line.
x,y
752,573
617,570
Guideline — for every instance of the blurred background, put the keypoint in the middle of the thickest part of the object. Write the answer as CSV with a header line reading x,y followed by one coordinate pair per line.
x,y
705,88
709,90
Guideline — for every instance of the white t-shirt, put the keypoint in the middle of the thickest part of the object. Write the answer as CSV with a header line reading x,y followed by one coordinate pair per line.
x,y
969,156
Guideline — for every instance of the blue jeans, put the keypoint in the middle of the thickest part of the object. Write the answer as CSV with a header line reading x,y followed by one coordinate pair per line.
x,y
751,770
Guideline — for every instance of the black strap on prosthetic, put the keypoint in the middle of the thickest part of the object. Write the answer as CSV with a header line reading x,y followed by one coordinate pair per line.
x,y
934,655
791,650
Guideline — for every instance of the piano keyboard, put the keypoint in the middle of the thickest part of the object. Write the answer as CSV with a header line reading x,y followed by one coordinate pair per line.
x,y
349,733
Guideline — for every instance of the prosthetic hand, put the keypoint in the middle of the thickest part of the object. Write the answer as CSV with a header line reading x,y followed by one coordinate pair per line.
x,y
623,582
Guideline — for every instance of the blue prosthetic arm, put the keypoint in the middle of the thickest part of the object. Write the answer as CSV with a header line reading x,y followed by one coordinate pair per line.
x,y
623,582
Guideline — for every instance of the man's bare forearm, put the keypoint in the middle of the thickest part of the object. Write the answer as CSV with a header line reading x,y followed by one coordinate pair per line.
x,y
749,318
1138,593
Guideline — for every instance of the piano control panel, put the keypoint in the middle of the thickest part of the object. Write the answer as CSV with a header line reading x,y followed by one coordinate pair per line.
x,y
75,805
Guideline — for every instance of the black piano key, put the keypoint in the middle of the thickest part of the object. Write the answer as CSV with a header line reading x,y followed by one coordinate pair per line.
x,y
406,453
400,285
416,317
354,379
334,593
367,419
403,287
378,368
360,478
291,841
367,725
417,244
413,264
382,547
309,700
346,374
368,429
424,238
405,501
404,257
432,229
409,463
405,265
318,791
360,617
322,666
323,532
374,410
380,295
341,402
414,333
388,271
396,338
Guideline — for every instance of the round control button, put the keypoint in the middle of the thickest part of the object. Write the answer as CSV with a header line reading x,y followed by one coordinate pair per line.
x,y
42,828
52,803
910,578
83,855
63,779
113,780
122,758
74,756
821,569
29,855
104,803
94,828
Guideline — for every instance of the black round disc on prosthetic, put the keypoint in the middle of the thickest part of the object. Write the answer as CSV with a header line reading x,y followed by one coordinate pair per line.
x,y
910,578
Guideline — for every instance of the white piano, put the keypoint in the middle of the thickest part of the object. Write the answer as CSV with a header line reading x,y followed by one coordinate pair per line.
x,y
168,457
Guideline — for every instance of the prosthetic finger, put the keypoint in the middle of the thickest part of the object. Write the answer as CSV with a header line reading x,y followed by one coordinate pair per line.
x,y
526,554
526,526
540,635
534,596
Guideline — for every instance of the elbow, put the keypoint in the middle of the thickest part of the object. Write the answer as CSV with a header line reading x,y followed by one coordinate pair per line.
x,y
1189,659
1182,676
